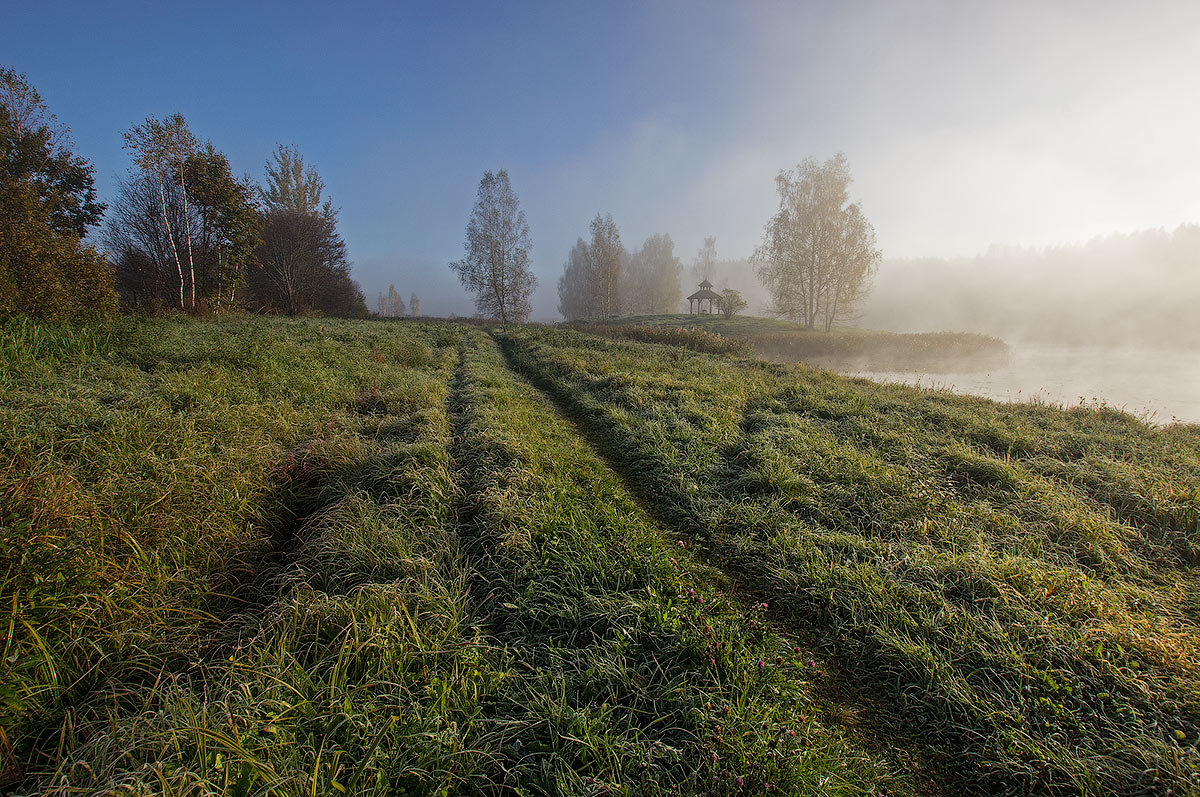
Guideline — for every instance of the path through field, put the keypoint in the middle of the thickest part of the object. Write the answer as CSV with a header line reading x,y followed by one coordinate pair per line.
x,y
422,558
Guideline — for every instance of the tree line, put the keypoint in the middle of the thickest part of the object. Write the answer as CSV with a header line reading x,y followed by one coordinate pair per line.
x,y
816,259
390,305
182,232
185,233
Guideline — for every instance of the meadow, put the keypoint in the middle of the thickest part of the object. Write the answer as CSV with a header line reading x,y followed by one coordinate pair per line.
x,y
258,556
842,348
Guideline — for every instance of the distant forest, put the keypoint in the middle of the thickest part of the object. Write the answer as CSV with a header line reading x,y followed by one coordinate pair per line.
x,y
1138,288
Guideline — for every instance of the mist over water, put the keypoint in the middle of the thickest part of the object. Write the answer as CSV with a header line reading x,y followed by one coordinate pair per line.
x,y
1156,384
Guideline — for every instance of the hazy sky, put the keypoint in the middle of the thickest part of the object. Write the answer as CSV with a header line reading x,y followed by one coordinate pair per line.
x,y
965,123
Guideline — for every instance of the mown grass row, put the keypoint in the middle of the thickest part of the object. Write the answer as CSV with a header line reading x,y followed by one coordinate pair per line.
x,y
1019,581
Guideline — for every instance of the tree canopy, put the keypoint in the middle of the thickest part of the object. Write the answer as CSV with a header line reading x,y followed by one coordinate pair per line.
x,y
590,286
496,262
47,204
818,250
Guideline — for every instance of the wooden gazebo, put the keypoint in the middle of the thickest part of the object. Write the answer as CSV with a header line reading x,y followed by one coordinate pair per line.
x,y
697,299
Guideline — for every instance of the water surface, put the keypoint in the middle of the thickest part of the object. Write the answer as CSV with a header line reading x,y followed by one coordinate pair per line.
x,y
1158,385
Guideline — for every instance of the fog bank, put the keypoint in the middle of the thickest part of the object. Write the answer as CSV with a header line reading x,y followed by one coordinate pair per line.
x,y
1141,288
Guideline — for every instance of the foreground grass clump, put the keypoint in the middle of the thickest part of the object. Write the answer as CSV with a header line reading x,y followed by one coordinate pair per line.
x,y
843,348
1017,581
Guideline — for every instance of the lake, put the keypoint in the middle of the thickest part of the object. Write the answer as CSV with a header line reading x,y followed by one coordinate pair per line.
x,y
1159,385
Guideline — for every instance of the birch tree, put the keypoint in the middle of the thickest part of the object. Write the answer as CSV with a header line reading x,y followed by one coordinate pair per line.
x,y
573,285
495,263
161,151
650,278
818,250
607,257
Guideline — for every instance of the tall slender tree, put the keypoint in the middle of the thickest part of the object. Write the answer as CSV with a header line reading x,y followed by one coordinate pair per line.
x,y
496,262
161,150
607,256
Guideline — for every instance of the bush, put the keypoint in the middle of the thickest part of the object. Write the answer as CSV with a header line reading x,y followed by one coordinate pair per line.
x,y
46,273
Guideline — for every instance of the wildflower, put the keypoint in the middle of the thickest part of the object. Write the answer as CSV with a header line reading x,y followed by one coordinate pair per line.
x,y
763,606
812,663
739,781
761,664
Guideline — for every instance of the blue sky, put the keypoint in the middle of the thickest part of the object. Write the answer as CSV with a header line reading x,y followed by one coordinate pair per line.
x,y
966,124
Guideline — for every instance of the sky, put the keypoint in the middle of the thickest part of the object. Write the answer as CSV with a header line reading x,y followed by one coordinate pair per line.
x,y
965,124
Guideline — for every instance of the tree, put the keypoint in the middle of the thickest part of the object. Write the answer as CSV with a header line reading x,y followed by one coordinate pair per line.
x,y
650,278
292,187
590,285
45,272
731,303
818,251
414,305
36,149
150,219
395,305
607,257
47,202
228,223
495,264
573,285
161,150
303,267
706,259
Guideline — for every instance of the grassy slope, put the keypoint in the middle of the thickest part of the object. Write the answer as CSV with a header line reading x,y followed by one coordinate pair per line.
x,y
315,557
1019,581
402,572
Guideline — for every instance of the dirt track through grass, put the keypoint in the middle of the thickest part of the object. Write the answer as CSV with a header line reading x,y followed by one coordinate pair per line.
x,y
1025,634
844,700
368,558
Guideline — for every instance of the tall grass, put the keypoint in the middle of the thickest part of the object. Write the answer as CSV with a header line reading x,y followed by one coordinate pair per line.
x,y
1015,580
380,564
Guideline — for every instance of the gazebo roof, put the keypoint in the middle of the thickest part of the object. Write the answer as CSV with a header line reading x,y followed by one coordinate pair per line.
x,y
705,293
706,284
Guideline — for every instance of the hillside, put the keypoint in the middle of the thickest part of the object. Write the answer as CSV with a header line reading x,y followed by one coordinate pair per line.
x,y
304,556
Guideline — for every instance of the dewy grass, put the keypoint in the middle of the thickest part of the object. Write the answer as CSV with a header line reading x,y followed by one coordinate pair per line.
x,y
1018,579
650,678
308,557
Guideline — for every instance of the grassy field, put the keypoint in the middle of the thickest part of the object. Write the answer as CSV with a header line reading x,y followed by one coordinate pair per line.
x,y
842,348
313,557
